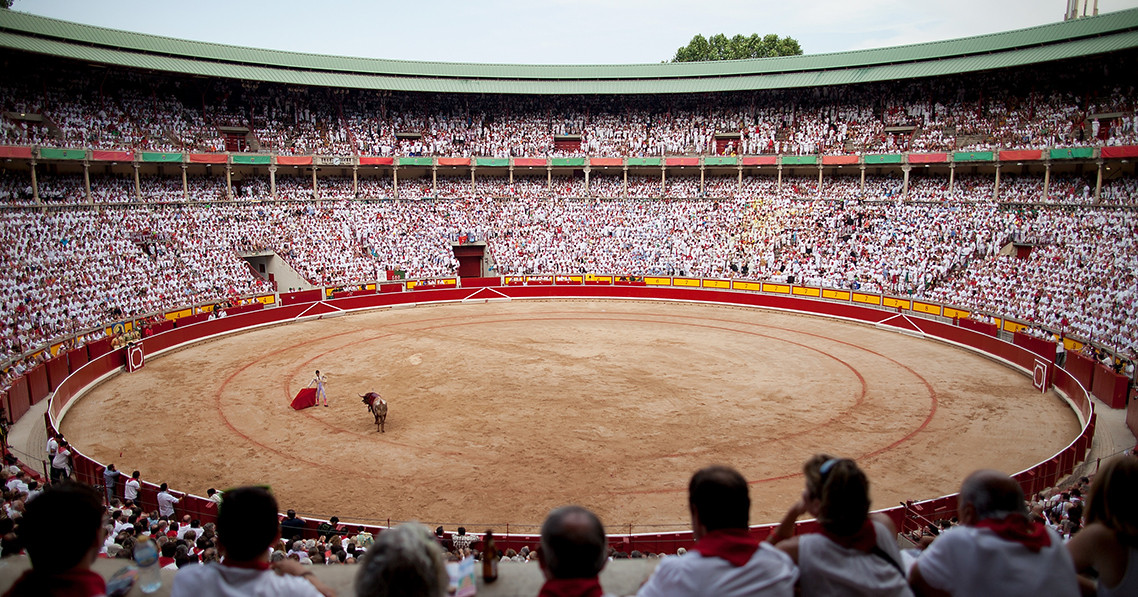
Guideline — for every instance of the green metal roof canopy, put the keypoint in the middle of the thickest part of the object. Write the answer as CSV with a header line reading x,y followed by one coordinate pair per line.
x,y
1058,41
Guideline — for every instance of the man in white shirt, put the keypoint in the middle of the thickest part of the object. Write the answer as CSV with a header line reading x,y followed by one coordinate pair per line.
x,y
246,527
52,446
726,560
131,487
166,502
61,463
996,550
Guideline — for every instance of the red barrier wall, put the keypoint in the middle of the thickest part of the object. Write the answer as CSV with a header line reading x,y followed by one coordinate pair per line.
x,y
57,371
979,326
1080,367
1109,386
19,399
244,309
76,358
1074,389
304,296
190,319
98,348
1132,417
1041,347
481,282
347,293
162,326
38,388
1043,475
83,377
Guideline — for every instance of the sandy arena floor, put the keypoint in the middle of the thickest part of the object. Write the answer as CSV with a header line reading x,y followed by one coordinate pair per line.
x,y
499,412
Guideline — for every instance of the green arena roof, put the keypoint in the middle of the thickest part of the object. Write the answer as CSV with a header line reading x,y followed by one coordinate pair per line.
x,y
1088,36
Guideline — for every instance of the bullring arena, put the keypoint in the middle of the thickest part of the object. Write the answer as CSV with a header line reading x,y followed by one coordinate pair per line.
x,y
570,283
501,411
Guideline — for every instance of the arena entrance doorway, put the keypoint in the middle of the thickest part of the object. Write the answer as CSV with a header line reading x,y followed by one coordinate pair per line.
x,y
470,259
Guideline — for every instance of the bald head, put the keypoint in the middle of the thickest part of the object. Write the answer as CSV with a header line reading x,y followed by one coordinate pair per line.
x,y
572,543
988,494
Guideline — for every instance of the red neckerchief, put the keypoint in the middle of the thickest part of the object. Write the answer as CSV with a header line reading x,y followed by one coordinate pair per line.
x,y
1017,528
258,565
863,540
571,587
75,583
734,545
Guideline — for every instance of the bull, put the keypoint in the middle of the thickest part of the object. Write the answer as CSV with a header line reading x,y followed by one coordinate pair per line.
x,y
378,407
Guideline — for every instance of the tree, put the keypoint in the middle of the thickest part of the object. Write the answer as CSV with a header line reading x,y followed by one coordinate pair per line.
x,y
720,47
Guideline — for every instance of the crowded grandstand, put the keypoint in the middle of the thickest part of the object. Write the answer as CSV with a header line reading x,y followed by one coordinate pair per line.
x,y
992,176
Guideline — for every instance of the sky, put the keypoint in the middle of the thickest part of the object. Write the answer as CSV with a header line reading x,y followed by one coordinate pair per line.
x,y
553,31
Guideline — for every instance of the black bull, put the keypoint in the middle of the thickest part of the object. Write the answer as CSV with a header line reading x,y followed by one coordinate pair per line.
x,y
378,407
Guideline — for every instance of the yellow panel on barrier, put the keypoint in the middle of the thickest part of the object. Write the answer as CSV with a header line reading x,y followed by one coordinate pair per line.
x,y
55,349
411,285
448,282
658,281
747,286
507,280
685,282
716,284
954,313
806,291
776,288
369,287
1013,327
328,292
268,299
205,308
836,294
871,299
894,302
926,308
573,279
175,315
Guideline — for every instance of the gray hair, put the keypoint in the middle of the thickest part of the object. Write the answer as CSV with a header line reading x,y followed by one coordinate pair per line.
x,y
404,561
993,495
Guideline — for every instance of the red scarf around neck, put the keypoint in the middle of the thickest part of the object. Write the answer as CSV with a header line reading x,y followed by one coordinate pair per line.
x,y
571,587
734,545
1017,528
863,540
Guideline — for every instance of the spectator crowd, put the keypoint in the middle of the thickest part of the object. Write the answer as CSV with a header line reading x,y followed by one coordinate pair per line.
x,y
71,271
1072,540
1028,107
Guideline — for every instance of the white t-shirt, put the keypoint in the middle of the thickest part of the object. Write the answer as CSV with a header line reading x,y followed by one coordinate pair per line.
x,y
166,503
827,568
223,581
130,491
970,561
769,573
60,459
